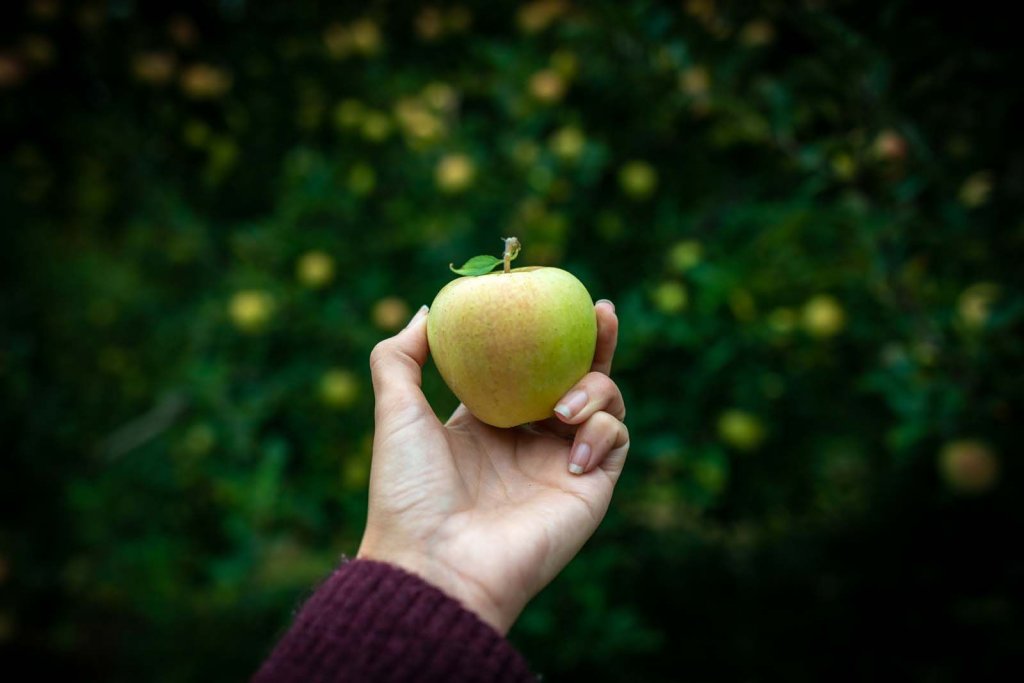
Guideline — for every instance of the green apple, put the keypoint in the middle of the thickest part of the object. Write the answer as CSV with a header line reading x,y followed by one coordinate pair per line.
x,y
510,344
638,179
740,429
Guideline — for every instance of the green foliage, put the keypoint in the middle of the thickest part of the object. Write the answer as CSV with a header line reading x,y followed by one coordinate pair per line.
x,y
808,216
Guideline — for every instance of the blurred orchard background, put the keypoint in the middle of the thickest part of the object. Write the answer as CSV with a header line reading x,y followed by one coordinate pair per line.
x,y
807,213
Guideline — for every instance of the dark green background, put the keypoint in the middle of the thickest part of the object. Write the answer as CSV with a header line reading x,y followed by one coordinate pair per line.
x,y
832,246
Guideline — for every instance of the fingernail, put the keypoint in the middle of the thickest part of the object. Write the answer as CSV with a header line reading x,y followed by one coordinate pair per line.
x,y
579,457
606,301
571,404
419,314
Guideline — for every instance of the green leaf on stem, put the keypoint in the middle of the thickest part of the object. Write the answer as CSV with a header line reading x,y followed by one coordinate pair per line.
x,y
478,265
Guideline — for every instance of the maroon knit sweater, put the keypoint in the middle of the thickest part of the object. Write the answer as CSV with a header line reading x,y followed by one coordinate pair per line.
x,y
372,621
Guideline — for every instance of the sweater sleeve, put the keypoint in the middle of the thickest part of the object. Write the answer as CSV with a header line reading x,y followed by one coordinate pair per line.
x,y
372,621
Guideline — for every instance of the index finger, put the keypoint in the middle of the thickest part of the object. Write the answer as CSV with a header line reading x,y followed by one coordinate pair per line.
x,y
396,366
607,336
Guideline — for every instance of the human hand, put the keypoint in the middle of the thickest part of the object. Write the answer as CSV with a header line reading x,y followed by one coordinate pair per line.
x,y
489,515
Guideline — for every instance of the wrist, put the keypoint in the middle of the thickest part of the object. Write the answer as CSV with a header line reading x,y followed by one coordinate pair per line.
x,y
468,592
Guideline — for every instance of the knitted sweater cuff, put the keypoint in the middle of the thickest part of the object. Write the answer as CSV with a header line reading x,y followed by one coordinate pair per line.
x,y
372,621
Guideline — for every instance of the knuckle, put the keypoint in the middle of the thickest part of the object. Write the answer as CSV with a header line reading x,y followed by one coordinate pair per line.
x,y
379,354
605,388
605,423
600,384
612,430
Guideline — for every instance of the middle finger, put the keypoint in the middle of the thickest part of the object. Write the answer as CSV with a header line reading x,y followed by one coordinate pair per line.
x,y
595,392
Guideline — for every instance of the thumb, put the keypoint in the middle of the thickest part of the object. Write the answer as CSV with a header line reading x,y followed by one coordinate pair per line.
x,y
396,367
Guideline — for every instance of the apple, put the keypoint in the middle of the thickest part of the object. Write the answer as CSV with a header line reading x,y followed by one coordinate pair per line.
x,y
976,190
547,86
510,344
670,297
454,173
823,316
251,310
205,82
315,269
376,126
568,143
685,255
890,146
740,429
968,466
390,313
975,304
757,33
638,179
339,388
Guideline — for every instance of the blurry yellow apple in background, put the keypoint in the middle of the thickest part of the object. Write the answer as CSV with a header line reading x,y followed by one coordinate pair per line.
x,y
454,173
823,316
638,179
390,313
510,344
740,429
339,388
969,466
315,269
251,310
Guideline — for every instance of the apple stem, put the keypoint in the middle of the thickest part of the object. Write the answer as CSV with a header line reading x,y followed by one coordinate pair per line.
x,y
512,247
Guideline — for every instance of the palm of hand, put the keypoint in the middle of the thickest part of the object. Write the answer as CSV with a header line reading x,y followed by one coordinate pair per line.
x,y
494,505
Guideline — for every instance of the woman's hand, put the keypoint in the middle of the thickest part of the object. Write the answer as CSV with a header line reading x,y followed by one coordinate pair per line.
x,y
489,515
